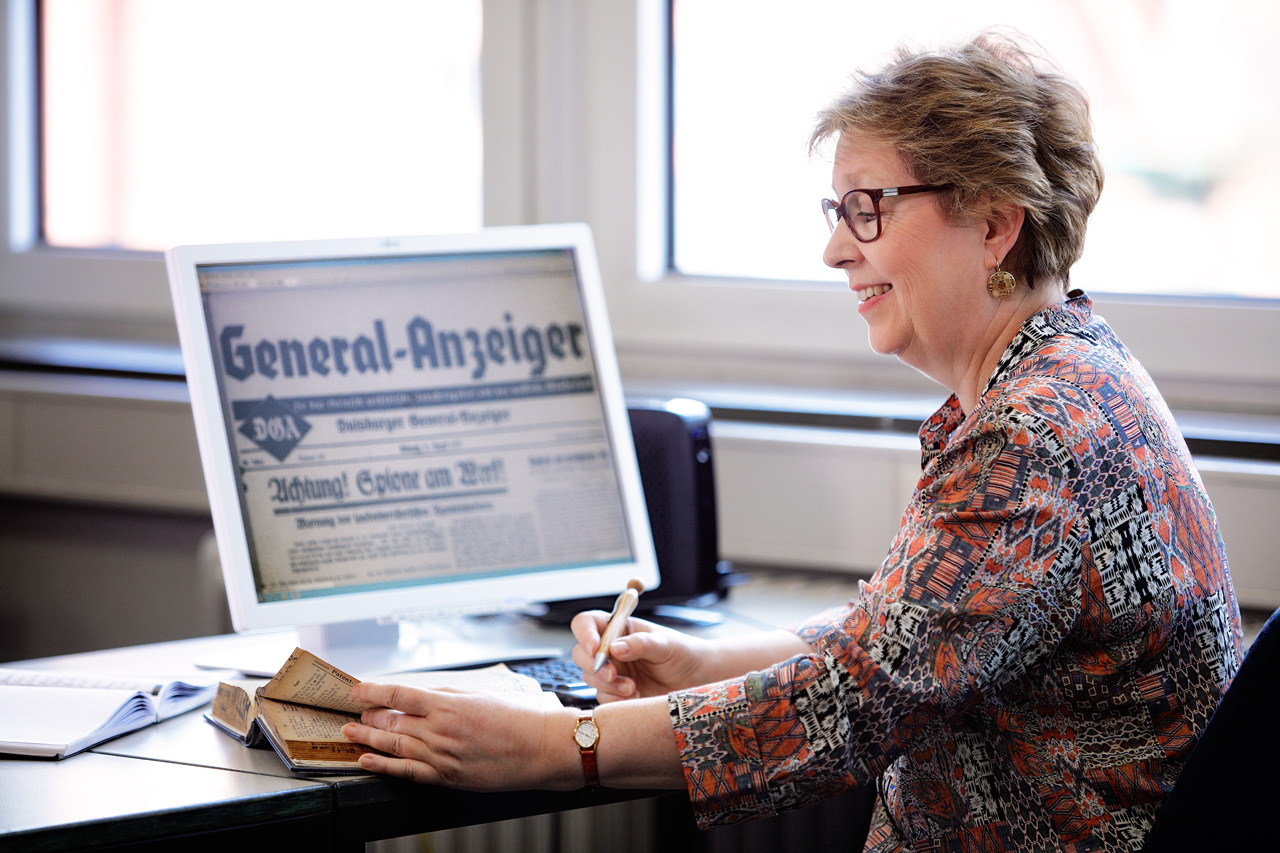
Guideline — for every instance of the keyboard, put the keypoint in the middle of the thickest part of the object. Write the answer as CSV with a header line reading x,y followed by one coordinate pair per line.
x,y
561,676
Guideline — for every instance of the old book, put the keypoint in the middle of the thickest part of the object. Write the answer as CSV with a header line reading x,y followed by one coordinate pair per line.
x,y
300,712
56,714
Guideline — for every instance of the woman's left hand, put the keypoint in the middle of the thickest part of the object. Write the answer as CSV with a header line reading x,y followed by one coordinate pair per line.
x,y
475,741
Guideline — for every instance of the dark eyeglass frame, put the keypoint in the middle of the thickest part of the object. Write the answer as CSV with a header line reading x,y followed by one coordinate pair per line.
x,y
842,212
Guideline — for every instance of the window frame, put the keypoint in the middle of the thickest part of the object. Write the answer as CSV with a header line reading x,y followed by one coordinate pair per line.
x,y
1212,354
38,279
575,125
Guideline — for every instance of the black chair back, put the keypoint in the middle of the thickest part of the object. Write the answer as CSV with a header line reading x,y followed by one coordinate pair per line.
x,y
1228,796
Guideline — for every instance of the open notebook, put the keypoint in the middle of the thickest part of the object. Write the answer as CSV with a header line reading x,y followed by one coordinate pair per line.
x,y
56,714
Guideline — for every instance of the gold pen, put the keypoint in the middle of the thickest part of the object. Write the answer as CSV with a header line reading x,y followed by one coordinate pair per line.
x,y
622,610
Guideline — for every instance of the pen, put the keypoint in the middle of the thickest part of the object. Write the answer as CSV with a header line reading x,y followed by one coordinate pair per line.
x,y
622,609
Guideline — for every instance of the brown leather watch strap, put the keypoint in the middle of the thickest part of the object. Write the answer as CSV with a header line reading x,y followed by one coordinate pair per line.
x,y
586,734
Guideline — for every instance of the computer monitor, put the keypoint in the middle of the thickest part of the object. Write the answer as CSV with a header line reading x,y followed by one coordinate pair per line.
x,y
411,426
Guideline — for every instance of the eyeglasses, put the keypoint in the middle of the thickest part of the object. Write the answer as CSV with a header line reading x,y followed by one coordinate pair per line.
x,y
860,209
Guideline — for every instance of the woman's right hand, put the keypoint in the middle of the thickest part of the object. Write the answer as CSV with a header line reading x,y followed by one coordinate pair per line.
x,y
648,660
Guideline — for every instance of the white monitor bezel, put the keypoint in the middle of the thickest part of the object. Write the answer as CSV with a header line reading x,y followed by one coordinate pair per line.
x,y
471,595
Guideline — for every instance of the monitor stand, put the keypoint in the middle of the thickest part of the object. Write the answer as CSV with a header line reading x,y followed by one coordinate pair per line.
x,y
369,648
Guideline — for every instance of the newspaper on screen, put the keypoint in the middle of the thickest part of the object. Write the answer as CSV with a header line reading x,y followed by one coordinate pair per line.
x,y
396,421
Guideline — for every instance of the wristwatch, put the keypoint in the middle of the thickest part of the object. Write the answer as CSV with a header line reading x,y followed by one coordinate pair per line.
x,y
586,734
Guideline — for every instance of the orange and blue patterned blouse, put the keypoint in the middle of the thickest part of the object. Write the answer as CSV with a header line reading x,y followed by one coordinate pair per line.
x,y
1045,641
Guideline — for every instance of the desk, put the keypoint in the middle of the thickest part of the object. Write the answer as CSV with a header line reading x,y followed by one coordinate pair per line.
x,y
361,807
98,799
121,793
183,776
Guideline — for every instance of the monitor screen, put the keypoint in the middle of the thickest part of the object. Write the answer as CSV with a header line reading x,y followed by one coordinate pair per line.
x,y
414,426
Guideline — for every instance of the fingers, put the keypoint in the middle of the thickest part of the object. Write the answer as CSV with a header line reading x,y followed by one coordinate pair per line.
x,y
610,685
472,741
377,737
394,726
617,690
402,742
414,771
396,761
641,645
587,628
410,700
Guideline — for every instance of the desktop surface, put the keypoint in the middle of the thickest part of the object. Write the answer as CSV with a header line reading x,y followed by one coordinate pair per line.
x,y
184,776
96,799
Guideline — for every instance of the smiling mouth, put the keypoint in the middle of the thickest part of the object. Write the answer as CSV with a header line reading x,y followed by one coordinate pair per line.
x,y
865,293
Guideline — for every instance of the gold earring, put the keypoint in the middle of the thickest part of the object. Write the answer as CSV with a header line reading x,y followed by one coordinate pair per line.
x,y
1001,283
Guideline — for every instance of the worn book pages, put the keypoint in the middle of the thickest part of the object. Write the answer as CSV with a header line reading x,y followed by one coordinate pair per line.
x,y
301,711
235,707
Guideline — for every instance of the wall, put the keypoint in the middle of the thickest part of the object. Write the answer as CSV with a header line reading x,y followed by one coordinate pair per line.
x,y
78,577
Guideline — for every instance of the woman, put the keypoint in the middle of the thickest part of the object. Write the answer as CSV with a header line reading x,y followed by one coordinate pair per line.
x,y
1054,622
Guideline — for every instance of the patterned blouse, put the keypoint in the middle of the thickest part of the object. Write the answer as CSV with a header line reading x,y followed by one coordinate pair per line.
x,y
1046,639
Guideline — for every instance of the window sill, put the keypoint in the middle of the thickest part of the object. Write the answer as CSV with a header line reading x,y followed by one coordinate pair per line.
x,y
52,344
1217,434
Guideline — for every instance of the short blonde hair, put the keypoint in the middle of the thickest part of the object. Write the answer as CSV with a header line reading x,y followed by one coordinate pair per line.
x,y
999,124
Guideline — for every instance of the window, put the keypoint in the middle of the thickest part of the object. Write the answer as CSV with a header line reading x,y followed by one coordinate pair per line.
x,y
1184,101
229,120
573,103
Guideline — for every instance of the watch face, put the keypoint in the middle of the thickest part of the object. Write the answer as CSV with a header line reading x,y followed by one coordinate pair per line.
x,y
586,734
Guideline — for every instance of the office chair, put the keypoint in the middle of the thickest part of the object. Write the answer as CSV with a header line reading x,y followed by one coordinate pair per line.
x,y
1228,796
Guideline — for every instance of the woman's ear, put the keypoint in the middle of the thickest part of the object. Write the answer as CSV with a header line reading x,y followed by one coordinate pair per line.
x,y
1004,225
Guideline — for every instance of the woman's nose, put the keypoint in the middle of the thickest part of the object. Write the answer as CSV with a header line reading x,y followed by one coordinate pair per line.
x,y
842,247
